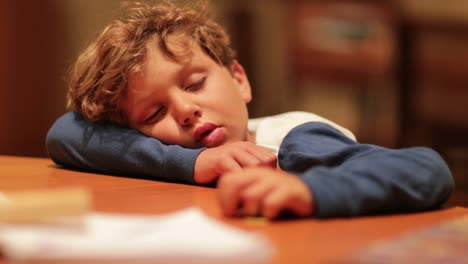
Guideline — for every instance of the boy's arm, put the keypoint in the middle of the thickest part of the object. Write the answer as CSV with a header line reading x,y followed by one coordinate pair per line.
x,y
74,142
348,178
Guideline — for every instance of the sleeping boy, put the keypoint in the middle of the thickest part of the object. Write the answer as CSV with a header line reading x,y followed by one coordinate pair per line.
x,y
159,94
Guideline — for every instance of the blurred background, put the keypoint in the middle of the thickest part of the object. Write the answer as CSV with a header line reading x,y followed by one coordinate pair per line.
x,y
394,72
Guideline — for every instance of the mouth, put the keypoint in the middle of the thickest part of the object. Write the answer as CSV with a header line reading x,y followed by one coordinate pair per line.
x,y
210,135
203,131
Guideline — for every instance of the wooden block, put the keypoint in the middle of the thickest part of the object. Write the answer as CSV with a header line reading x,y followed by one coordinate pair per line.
x,y
43,205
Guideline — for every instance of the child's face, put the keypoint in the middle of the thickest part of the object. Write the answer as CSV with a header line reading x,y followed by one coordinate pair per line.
x,y
194,102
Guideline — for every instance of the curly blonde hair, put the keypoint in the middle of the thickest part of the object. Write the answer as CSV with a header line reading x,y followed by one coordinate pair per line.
x,y
99,78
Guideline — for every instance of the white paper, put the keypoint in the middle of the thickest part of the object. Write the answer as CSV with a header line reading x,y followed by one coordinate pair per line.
x,y
186,234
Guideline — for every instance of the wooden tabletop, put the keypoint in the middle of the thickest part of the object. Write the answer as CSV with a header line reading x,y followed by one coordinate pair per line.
x,y
294,241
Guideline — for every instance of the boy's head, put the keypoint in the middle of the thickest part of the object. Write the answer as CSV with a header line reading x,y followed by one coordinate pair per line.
x,y
168,71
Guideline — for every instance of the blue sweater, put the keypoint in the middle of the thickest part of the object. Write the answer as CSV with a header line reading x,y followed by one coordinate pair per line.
x,y
346,178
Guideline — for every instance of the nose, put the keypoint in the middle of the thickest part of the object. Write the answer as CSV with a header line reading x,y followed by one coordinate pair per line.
x,y
185,110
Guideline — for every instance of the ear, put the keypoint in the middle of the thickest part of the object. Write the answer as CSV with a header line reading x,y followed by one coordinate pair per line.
x,y
240,77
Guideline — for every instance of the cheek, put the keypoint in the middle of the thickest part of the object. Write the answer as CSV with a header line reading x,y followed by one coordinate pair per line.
x,y
228,97
161,131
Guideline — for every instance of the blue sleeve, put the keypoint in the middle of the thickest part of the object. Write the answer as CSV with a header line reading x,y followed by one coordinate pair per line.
x,y
74,142
348,178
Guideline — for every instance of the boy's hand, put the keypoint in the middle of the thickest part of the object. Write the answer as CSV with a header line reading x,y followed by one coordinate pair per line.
x,y
214,162
263,191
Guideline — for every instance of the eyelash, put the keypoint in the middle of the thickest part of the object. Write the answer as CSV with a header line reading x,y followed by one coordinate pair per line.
x,y
155,116
158,113
197,85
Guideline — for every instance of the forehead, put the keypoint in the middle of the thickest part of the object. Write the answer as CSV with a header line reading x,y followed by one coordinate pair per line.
x,y
178,48
180,52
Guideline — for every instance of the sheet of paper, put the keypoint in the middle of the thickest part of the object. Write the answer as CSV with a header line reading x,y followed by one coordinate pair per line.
x,y
186,234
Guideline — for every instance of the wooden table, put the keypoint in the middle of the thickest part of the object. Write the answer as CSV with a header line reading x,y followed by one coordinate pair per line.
x,y
294,241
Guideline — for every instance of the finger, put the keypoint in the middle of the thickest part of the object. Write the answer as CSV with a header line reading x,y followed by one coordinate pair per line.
x,y
298,207
264,156
250,155
250,158
230,165
229,188
281,199
259,189
273,203
249,208
246,159
253,194
300,203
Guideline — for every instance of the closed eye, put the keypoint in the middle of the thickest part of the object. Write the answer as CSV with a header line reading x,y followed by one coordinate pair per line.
x,y
155,116
196,85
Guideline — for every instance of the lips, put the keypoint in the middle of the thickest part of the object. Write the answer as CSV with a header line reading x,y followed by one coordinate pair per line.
x,y
209,134
204,130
